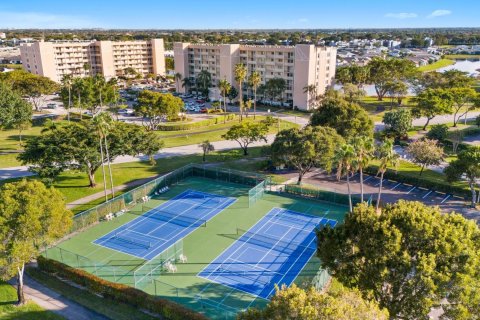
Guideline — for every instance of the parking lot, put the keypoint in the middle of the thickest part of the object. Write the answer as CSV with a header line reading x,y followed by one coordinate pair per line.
x,y
392,191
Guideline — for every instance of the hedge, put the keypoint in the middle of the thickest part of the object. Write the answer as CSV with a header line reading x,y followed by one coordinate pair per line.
x,y
167,309
421,182
195,125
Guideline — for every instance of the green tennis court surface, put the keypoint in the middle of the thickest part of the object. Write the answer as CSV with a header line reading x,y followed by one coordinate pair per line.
x,y
200,247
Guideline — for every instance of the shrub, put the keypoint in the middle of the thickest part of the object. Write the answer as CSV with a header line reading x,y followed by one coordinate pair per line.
x,y
438,132
477,121
169,310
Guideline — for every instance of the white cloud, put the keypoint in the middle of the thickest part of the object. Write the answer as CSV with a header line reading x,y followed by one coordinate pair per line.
x,y
401,15
439,13
43,20
303,20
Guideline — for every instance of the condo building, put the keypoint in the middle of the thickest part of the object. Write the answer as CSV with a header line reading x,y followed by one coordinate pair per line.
x,y
84,58
300,66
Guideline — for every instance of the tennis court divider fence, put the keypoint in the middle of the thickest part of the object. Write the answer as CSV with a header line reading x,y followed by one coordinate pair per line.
x,y
131,198
146,273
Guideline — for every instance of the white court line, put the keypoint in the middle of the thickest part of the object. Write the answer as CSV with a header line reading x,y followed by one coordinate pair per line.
x,y
294,263
378,183
411,190
368,178
146,235
427,194
396,186
446,198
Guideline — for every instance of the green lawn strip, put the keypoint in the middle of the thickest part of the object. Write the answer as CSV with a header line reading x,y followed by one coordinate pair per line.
x,y
376,109
106,307
9,160
431,179
74,185
461,56
29,311
436,65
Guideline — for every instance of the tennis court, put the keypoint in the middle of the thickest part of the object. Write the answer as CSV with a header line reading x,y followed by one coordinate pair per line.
x,y
273,251
159,228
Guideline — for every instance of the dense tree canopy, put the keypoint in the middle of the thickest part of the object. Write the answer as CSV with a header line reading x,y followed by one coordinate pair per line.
x,y
76,146
156,107
339,303
408,258
348,119
305,148
31,217
247,133
397,123
15,113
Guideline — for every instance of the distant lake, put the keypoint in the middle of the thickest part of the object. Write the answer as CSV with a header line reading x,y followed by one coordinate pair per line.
x,y
471,66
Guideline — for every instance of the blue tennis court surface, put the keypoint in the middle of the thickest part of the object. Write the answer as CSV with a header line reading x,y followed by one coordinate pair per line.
x,y
273,251
159,228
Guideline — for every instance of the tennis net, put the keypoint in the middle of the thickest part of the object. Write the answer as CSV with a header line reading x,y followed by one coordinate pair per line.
x,y
167,216
272,243
137,242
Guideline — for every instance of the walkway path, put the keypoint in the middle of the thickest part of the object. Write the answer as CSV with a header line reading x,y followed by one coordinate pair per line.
x,y
55,302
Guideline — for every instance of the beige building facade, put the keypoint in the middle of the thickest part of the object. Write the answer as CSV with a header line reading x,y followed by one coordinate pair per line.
x,y
299,66
108,58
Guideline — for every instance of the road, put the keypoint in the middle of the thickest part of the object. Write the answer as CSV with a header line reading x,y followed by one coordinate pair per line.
x,y
17,172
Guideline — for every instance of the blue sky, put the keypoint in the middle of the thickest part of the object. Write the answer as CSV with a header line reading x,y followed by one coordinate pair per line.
x,y
251,14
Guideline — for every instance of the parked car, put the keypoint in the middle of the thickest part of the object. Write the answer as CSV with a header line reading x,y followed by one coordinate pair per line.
x,y
52,106
204,110
200,101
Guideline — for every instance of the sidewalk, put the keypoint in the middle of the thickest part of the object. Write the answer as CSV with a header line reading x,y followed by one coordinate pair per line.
x,y
55,302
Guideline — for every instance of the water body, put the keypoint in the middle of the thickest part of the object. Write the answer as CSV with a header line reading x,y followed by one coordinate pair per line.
x,y
471,66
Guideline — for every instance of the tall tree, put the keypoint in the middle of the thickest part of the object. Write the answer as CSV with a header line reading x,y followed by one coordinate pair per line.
x,y
76,146
348,119
425,152
468,164
408,258
155,107
240,73
224,87
15,113
432,102
254,81
305,148
463,101
103,123
364,148
187,84
31,217
204,82
344,160
247,133
387,157
67,82
178,79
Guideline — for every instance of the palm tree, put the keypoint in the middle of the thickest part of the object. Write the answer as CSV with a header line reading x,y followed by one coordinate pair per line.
x,y
311,91
206,147
204,81
178,78
254,81
387,157
100,86
103,123
78,87
224,87
364,149
186,83
344,159
240,75
98,124
67,82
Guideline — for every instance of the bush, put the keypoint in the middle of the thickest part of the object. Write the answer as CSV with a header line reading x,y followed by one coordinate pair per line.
x,y
195,125
477,121
438,132
169,310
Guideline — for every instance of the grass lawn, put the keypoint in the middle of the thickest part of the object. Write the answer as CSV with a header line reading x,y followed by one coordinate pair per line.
x,y
30,311
9,138
436,65
106,307
461,56
376,109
